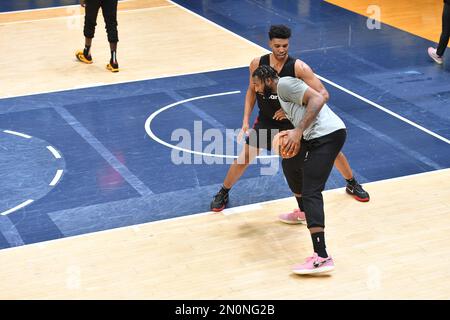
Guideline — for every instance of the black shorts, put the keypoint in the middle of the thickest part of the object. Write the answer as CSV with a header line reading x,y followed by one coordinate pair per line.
x,y
263,131
317,157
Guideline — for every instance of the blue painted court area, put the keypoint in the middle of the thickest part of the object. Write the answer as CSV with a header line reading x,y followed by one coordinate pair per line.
x,y
115,175
387,65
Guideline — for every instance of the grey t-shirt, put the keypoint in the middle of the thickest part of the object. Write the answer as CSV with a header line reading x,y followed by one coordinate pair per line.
x,y
290,94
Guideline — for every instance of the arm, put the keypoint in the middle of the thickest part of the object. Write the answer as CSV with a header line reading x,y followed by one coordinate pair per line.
x,y
250,99
305,73
83,3
314,102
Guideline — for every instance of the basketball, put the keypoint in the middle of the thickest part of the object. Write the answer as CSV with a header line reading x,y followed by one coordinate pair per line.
x,y
277,146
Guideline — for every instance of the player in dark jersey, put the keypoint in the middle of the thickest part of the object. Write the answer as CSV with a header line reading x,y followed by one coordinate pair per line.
x,y
272,117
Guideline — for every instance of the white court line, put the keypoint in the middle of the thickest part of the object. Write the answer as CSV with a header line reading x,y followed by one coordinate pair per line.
x,y
205,213
82,15
329,82
54,152
154,137
376,105
254,44
241,209
23,135
209,213
219,26
89,85
101,84
20,206
56,178
406,177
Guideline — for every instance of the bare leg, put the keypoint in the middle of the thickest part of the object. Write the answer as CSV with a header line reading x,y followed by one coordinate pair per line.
x,y
315,230
87,46
87,42
343,166
237,169
353,187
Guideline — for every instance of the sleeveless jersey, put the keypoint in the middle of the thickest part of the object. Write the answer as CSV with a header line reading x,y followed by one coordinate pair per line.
x,y
268,107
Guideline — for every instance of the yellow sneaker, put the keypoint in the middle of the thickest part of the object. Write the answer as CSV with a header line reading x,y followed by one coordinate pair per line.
x,y
113,67
81,57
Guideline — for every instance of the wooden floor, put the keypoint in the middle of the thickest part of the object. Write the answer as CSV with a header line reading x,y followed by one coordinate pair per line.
x,y
34,65
68,11
175,42
393,247
419,17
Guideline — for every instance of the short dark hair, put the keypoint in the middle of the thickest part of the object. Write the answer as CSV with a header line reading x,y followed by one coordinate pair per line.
x,y
279,31
264,72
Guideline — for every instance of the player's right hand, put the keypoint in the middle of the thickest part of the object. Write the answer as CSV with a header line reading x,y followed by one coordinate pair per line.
x,y
292,142
83,3
244,131
279,115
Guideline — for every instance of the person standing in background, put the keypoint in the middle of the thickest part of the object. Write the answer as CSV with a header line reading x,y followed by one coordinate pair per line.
x,y
109,10
437,54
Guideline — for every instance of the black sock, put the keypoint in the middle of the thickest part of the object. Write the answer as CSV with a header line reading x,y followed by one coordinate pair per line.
x,y
318,240
351,181
300,203
86,50
113,57
225,189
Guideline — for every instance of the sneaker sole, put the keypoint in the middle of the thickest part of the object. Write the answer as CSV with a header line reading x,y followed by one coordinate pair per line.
x,y
437,61
218,209
292,222
361,199
314,271
112,69
82,59
356,197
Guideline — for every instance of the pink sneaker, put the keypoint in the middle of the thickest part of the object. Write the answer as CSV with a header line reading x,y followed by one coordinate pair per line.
x,y
294,217
434,56
314,264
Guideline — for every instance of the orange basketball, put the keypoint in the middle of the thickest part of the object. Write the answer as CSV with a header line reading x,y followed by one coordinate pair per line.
x,y
277,146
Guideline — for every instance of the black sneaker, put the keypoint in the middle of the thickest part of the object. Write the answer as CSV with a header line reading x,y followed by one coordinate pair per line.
x,y
357,191
220,201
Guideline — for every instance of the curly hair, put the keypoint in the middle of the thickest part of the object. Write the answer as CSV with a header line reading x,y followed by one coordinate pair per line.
x,y
264,72
279,31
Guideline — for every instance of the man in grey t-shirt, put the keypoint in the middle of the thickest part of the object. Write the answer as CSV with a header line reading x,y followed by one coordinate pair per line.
x,y
316,140
290,92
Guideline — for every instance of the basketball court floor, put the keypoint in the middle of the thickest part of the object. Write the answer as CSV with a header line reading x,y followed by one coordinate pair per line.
x,y
106,179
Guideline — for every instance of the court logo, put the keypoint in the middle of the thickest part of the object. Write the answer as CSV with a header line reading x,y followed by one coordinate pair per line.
x,y
373,22
216,146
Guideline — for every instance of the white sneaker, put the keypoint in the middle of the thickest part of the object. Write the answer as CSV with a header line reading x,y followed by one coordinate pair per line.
x,y
434,56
